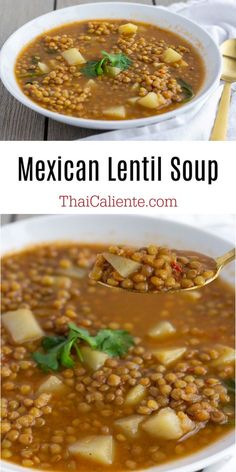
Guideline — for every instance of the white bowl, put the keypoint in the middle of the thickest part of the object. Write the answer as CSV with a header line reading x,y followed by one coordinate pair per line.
x,y
130,11
138,230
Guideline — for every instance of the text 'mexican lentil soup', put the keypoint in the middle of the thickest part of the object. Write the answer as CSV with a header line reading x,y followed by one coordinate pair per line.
x,y
110,70
96,378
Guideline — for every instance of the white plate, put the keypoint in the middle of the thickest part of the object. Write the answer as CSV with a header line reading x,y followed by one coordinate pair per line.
x,y
115,10
137,230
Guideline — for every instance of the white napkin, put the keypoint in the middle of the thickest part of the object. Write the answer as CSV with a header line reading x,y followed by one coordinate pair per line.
x,y
223,226
227,465
218,17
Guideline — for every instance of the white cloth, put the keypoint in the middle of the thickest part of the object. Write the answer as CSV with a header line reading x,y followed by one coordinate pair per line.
x,y
218,17
223,226
227,465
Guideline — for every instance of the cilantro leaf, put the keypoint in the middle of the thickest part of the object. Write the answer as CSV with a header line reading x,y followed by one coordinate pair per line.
x,y
47,362
114,342
230,385
90,69
186,89
78,352
58,352
118,60
52,341
65,354
83,334
59,349
98,68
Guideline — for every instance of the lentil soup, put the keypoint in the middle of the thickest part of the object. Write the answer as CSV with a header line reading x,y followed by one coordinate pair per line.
x,y
144,70
166,393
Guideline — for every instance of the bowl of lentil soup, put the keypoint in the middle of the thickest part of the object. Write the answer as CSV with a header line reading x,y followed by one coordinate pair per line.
x,y
163,402
103,65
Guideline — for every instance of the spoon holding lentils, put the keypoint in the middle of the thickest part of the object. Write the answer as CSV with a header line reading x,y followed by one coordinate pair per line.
x,y
156,269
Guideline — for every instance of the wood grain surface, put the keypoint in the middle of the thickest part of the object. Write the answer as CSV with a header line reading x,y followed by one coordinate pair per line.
x,y
18,122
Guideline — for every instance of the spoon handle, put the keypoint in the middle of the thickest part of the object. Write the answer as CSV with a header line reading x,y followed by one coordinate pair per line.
x,y
219,131
226,258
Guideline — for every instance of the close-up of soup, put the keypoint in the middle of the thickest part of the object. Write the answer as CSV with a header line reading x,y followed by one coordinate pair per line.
x,y
109,70
95,378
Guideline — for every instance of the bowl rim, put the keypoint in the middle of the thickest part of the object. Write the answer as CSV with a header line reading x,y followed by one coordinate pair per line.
x,y
53,216
109,124
195,463
47,217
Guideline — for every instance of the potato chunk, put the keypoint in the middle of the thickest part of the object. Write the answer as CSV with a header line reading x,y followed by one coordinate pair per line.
x,y
152,100
73,57
183,63
161,330
128,29
135,395
52,385
133,100
167,356
115,112
170,55
112,71
43,67
93,359
227,356
96,448
129,425
135,87
125,267
91,83
22,325
164,425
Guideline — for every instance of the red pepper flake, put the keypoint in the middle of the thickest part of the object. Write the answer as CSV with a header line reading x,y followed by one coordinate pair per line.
x,y
177,267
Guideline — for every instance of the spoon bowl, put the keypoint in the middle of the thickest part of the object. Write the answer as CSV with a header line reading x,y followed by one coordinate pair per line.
x,y
216,266
220,264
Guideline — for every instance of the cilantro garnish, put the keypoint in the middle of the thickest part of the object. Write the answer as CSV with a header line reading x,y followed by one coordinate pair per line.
x,y
230,385
97,68
117,60
114,342
186,89
58,350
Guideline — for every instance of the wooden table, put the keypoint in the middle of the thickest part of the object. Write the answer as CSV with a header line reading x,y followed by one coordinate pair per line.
x,y
18,122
